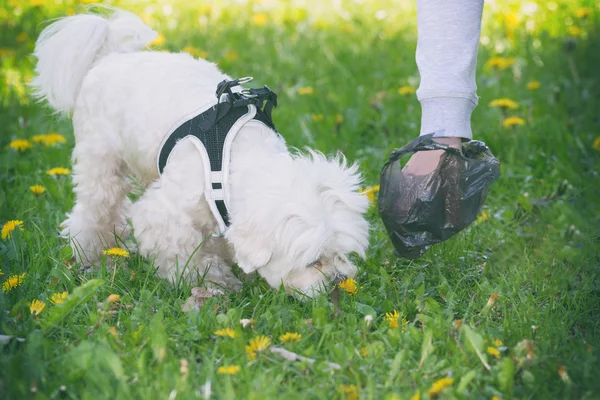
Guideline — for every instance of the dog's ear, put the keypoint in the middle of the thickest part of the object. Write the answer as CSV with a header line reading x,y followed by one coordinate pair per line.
x,y
251,251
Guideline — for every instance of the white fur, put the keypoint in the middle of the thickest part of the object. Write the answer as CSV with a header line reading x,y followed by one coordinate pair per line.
x,y
294,217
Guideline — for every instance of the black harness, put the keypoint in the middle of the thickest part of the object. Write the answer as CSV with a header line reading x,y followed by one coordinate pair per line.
x,y
212,127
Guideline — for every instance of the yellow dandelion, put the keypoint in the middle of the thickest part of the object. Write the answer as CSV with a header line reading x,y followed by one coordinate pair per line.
x,y
496,398
364,351
499,63
13,282
21,37
406,90
225,332
256,345
228,370
290,337
596,144
583,12
339,119
574,31
533,85
58,171
4,52
492,351
37,3
370,192
116,252
159,41
349,391
483,216
305,91
392,318
439,385
512,121
113,331
416,396
195,52
113,298
498,343
20,144
10,226
259,19
504,103
317,117
37,189
59,298
50,139
36,306
349,285
231,55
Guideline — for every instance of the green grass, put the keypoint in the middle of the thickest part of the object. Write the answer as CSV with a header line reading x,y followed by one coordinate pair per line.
x,y
538,250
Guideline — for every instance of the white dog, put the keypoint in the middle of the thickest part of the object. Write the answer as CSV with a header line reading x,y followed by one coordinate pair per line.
x,y
294,217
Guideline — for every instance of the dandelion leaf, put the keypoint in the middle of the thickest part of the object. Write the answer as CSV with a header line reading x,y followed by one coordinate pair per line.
x,y
475,344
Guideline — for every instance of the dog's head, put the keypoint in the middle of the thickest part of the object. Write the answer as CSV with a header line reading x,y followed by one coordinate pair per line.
x,y
303,234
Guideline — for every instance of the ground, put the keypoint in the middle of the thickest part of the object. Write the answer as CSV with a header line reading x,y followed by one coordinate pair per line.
x,y
509,308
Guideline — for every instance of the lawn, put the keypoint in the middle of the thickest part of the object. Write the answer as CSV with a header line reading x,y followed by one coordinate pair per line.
x,y
509,308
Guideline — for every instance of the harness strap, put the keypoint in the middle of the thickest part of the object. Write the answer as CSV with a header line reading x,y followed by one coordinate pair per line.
x,y
211,129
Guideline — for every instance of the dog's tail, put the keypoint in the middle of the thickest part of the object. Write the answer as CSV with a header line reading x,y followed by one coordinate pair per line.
x,y
68,48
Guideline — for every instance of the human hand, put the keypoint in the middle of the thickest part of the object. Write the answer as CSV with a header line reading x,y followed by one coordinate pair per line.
x,y
425,162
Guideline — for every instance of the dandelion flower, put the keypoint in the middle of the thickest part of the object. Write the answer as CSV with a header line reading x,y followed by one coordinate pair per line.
x,y
259,19
440,385
583,12
36,306
195,52
116,252
492,351
12,282
37,189
370,192
113,298
228,370
505,104
349,285
231,55
392,318
416,396
58,171
512,121
533,85
290,337
496,398
349,391
59,298
20,144
596,144
339,119
10,226
159,41
483,216
256,345
225,332
499,63
368,319
304,91
317,117
498,343
574,31
113,331
406,90
50,139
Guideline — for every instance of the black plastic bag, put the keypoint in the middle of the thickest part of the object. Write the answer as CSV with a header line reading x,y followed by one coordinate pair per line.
x,y
420,211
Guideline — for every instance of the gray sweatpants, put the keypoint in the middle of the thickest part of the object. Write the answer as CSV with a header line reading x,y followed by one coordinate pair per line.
x,y
446,57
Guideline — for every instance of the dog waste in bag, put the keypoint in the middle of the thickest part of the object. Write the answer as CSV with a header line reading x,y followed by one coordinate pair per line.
x,y
420,211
